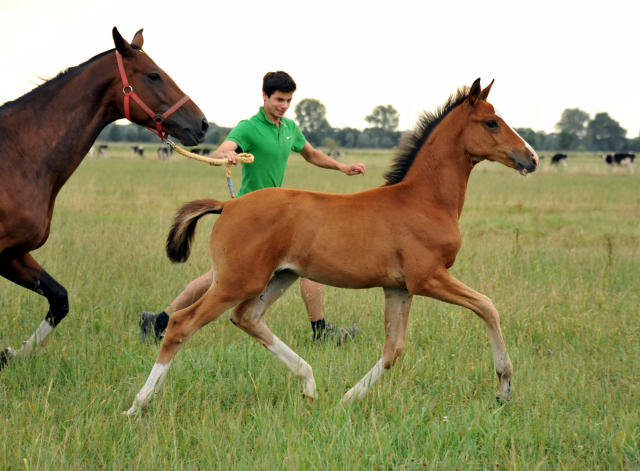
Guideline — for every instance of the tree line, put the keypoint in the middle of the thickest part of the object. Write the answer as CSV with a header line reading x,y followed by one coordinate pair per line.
x,y
576,130
311,117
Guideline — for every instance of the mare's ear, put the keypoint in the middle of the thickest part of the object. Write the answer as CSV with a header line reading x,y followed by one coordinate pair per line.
x,y
485,92
138,40
122,46
475,92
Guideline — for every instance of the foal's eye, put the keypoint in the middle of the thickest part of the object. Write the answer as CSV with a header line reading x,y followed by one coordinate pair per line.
x,y
491,124
154,77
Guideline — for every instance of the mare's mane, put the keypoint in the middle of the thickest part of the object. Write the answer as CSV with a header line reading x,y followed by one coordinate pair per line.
x,y
48,83
413,140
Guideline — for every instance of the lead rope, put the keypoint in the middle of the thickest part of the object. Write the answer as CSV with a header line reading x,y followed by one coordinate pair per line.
x,y
242,158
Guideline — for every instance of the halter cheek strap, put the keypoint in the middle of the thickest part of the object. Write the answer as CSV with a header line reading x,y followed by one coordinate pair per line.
x,y
157,117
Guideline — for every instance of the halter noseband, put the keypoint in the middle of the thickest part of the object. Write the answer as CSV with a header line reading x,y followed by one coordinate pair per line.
x,y
157,117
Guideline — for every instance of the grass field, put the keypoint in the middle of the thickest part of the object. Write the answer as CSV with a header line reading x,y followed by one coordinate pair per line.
x,y
557,252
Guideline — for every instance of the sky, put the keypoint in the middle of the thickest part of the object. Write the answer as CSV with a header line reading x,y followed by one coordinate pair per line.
x,y
545,56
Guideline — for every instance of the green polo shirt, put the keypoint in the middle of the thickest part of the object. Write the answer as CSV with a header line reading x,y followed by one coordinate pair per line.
x,y
270,147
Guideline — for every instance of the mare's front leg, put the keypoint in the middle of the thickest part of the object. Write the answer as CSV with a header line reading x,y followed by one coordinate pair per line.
x,y
396,320
446,288
28,273
249,316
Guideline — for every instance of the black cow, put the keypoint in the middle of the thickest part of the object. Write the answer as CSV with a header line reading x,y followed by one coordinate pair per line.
x,y
620,159
206,151
137,150
556,159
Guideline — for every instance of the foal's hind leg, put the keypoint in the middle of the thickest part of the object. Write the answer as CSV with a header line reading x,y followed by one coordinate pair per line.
x,y
26,272
182,325
446,288
396,319
249,316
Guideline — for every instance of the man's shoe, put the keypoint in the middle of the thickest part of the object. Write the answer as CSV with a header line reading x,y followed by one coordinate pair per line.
x,y
342,334
149,327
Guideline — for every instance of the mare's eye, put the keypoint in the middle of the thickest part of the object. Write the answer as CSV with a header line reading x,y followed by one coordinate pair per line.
x,y
154,77
492,124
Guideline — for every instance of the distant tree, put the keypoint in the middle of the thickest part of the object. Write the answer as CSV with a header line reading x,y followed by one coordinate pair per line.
x,y
347,137
571,127
573,121
131,133
311,116
604,133
364,141
384,117
115,133
330,143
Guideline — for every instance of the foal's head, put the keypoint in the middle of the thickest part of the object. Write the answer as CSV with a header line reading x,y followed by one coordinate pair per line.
x,y
487,136
159,92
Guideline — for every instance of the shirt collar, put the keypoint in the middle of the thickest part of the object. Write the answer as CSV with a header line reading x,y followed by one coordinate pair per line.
x,y
262,116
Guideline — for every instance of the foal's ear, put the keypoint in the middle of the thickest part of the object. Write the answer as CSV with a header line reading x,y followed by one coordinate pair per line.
x,y
138,40
475,92
485,92
122,46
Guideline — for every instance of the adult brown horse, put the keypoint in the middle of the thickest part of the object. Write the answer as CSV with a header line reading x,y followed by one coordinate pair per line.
x,y
45,134
403,237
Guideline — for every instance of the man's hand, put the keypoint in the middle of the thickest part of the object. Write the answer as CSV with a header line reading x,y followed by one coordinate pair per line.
x,y
353,169
231,156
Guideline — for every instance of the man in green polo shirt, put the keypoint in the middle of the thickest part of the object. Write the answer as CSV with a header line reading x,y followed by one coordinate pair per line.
x,y
270,137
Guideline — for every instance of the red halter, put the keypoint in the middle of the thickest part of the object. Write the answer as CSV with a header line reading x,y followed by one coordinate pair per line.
x,y
158,118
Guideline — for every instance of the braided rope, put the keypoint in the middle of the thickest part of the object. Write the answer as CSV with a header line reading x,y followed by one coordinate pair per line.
x,y
242,158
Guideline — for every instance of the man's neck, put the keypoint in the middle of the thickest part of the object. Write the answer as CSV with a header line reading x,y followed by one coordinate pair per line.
x,y
274,119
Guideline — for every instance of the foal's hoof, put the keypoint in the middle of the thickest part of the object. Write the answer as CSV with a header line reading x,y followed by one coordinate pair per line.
x,y
6,355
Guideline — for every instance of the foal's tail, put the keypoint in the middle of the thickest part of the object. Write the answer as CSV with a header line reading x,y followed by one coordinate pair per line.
x,y
184,227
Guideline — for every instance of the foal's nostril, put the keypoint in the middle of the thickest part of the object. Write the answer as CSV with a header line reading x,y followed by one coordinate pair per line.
x,y
205,125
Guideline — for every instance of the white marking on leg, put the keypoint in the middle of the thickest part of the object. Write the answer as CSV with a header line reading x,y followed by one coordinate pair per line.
x,y
300,368
360,389
150,388
39,338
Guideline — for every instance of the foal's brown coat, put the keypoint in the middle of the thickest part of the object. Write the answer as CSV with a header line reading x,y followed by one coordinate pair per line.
x,y
402,237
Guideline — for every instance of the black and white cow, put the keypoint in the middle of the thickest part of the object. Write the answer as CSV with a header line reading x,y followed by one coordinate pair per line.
x,y
620,159
206,151
137,150
103,151
164,153
556,159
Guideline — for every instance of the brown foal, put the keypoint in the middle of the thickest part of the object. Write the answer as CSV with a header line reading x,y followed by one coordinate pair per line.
x,y
403,238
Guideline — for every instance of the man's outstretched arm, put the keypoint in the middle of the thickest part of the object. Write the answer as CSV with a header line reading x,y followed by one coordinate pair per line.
x,y
317,158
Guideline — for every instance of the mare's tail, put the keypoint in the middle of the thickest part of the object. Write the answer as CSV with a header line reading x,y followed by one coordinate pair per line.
x,y
184,227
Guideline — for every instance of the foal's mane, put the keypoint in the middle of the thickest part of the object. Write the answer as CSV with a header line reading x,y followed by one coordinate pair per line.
x,y
413,140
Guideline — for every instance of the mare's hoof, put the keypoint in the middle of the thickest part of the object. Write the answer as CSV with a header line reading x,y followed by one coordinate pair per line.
x,y
6,355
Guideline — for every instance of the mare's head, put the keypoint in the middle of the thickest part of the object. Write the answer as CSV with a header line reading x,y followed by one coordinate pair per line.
x,y
159,92
487,136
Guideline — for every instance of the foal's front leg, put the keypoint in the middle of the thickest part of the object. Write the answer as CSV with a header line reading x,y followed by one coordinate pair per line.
x,y
396,319
446,288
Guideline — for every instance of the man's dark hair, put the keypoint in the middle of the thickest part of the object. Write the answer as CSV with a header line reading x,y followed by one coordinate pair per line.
x,y
278,82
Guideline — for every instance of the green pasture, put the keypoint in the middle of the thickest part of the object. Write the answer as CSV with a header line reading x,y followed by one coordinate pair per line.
x,y
558,252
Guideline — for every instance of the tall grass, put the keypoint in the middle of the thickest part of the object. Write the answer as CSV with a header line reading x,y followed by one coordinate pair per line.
x,y
557,252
